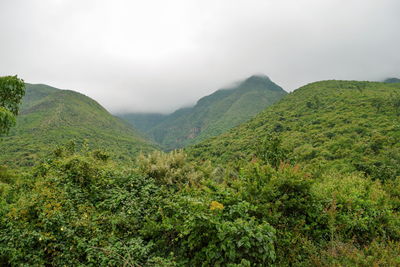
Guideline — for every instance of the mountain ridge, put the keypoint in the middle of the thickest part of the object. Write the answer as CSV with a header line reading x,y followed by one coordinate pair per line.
x,y
392,80
347,125
50,116
212,114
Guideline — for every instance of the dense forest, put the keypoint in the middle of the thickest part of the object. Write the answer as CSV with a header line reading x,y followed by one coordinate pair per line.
x,y
346,126
312,180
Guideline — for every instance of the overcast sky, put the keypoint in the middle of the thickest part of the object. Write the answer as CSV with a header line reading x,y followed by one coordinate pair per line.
x,y
158,55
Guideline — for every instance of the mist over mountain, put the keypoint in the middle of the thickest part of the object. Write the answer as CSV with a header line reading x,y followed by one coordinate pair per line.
x,y
212,114
153,56
209,162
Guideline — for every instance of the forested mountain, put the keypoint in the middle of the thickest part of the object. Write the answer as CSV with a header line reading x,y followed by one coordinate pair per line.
x,y
143,121
49,117
212,114
392,80
313,180
347,125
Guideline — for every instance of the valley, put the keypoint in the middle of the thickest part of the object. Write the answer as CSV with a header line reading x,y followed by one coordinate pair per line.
x,y
200,133
284,181
212,114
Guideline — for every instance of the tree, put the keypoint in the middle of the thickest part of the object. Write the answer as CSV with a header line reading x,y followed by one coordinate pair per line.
x,y
12,89
271,151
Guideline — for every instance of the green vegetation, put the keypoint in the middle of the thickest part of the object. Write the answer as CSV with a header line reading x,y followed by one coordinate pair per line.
x,y
211,116
392,80
50,117
143,121
346,126
313,180
80,208
12,90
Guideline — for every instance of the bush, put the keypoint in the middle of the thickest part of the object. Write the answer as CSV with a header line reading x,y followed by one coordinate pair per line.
x,y
378,253
284,199
358,209
78,211
203,232
171,169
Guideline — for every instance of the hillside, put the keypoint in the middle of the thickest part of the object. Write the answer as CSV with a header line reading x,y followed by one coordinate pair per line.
x,y
392,80
345,125
289,191
143,121
212,115
49,117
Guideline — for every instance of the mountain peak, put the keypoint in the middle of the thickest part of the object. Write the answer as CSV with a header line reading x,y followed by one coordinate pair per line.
x,y
212,114
258,78
260,82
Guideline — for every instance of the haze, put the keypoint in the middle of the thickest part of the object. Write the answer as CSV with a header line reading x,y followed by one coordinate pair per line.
x,y
156,56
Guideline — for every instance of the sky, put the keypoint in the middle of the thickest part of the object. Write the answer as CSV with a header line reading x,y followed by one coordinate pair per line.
x,y
159,55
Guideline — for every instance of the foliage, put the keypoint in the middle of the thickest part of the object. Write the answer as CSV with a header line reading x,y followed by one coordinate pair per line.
x,y
12,90
378,253
80,208
312,213
77,210
199,235
169,169
342,125
271,151
359,209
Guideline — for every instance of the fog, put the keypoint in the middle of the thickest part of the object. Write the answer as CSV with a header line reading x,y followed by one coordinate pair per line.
x,y
156,56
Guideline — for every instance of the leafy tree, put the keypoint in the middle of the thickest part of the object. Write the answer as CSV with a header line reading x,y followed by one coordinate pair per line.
x,y
12,89
271,151
76,209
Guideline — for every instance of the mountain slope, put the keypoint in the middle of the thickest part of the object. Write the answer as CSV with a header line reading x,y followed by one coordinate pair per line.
x,y
392,80
143,121
50,117
347,125
213,114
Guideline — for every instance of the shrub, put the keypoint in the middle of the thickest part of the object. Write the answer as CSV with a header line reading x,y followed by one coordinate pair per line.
x,y
359,209
78,211
199,234
171,169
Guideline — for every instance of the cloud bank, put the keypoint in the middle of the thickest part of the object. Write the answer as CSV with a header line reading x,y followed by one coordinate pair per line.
x,y
156,56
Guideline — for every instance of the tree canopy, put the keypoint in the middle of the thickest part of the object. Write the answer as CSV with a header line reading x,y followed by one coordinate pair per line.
x,y
12,89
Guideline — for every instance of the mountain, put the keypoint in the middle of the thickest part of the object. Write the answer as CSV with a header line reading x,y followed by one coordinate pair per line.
x,y
346,125
392,80
143,121
76,209
211,116
49,117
